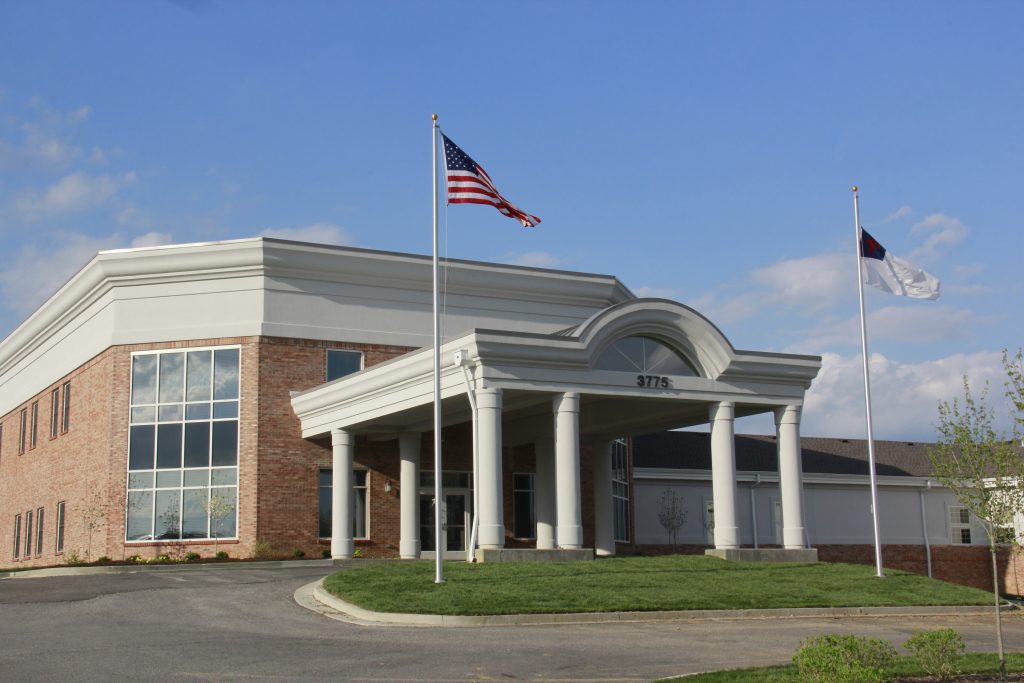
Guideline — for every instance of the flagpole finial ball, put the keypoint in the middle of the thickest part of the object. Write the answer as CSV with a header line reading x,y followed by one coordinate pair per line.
x,y
854,188
433,117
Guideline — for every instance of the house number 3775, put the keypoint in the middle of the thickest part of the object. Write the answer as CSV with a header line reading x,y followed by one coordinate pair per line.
x,y
652,381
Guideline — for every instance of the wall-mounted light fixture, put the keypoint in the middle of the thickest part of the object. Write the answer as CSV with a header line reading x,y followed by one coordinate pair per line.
x,y
387,485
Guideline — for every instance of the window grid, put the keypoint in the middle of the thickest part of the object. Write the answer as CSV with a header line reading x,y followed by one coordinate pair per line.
x,y
59,540
54,413
620,489
182,502
17,535
960,525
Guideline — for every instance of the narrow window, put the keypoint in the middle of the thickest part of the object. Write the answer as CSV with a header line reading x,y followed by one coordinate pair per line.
x,y
341,363
28,534
35,424
17,536
959,525
39,531
60,527
54,413
620,489
360,508
1,439
21,432
65,425
524,511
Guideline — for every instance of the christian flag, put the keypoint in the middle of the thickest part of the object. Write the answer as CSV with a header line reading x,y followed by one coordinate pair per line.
x,y
468,183
894,275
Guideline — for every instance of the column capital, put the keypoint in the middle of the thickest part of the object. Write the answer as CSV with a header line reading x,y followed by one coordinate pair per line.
x,y
568,402
724,410
341,437
788,415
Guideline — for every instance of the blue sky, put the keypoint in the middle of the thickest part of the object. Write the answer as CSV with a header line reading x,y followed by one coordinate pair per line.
x,y
699,151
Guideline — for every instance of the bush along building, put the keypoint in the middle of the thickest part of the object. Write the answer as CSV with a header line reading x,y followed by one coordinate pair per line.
x,y
251,393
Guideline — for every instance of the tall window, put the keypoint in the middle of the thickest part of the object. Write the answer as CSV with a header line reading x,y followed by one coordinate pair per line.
x,y
524,511
17,536
960,525
620,489
39,531
341,363
65,424
54,413
22,431
59,545
183,445
35,424
359,504
28,534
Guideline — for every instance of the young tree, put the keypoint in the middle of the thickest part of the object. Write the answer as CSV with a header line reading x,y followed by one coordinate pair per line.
x,y
218,507
984,471
1014,366
671,515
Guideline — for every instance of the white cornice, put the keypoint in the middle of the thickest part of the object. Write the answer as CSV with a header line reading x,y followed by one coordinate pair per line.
x,y
745,477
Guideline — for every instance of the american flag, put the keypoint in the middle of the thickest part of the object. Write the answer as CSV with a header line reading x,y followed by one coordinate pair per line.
x,y
468,183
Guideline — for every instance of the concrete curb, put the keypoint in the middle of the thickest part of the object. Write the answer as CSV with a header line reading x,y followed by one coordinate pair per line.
x,y
199,566
330,605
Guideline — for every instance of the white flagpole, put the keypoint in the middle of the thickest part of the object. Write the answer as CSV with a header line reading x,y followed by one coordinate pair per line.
x,y
867,385
438,507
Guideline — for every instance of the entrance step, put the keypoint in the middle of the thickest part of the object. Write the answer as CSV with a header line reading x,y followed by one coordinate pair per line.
x,y
533,555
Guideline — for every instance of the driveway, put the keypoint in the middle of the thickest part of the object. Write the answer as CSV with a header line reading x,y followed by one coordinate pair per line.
x,y
243,624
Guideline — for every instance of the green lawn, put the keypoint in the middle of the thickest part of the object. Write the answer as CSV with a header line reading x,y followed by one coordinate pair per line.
x,y
679,582
906,666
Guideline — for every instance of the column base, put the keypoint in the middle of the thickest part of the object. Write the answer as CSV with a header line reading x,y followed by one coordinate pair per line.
x,y
801,555
409,550
793,537
727,537
600,552
570,537
492,536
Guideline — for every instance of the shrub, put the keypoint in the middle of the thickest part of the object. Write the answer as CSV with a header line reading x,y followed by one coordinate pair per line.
x,y
103,559
325,553
358,552
937,652
134,559
298,552
221,555
72,558
261,549
160,559
834,658
191,556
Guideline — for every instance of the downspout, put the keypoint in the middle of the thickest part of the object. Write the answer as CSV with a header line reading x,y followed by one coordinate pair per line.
x,y
462,360
753,506
924,526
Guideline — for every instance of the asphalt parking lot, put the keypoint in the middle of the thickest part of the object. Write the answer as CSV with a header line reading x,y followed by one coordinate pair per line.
x,y
244,624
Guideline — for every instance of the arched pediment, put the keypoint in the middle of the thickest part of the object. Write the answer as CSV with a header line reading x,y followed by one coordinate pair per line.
x,y
679,328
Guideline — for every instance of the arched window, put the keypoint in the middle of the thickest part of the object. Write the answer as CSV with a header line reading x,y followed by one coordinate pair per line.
x,y
644,355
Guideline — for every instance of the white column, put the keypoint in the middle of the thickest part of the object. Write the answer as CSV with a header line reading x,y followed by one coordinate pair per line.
x,y
723,475
342,493
492,526
567,470
787,432
544,492
409,452
604,522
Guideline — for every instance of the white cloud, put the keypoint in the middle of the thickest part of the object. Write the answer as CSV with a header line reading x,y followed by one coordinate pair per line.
x,y
915,324
534,259
75,192
319,233
899,213
942,230
904,396
37,272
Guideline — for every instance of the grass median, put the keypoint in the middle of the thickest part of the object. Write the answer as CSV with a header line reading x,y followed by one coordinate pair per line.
x,y
628,584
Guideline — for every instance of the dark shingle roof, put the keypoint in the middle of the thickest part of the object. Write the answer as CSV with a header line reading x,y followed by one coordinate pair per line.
x,y
692,450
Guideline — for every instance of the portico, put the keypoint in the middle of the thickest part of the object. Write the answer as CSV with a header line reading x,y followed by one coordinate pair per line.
x,y
636,367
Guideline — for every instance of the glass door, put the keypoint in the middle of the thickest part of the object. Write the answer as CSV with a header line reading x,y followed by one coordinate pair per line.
x,y
455,516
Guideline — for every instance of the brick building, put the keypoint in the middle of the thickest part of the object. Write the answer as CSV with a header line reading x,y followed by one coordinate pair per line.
x,y
215,396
